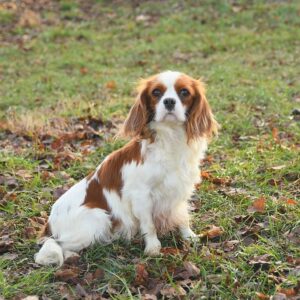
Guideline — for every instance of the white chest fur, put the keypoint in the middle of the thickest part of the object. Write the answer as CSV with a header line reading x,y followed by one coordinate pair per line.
x,y
165,181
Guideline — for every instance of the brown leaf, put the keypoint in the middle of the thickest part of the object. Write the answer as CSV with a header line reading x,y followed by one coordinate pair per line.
x,y
172,292
288,292
205,175
169,251
98,274
261,261
279,296
67,275
230,245
292,260
192,270
291,202
81,292
111,85
221,181
148,297
212,232
258,205
275,135
274,182
30,232
141,274
5,244
72,260
262,296
29,18
25,174
216,180
59,191
84,70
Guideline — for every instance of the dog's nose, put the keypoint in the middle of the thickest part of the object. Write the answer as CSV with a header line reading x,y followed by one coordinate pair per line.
x,y
169,103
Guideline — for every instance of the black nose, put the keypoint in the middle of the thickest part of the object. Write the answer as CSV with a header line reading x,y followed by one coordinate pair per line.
x,y
169,103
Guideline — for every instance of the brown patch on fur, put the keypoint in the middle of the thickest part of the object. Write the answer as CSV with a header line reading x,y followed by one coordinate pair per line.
x,y
45,232
142,112
200,120
109,175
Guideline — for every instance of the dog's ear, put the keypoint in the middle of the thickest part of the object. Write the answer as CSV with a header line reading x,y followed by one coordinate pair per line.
x,y
200,119
138,116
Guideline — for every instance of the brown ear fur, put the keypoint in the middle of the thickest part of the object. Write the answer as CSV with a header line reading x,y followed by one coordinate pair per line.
x,y
201,121
138,117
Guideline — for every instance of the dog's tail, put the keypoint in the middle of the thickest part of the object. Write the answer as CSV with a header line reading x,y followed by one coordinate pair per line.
x,y
50,253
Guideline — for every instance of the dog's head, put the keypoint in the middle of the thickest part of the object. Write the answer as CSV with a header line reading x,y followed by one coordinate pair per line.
x,y
171,97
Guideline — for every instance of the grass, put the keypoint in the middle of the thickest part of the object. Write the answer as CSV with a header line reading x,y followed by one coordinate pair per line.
x,y
84,59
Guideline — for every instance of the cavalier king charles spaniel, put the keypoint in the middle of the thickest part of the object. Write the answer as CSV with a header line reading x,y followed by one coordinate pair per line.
x,y
144,186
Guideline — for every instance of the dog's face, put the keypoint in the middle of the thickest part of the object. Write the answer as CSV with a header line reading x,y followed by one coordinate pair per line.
x,y
171,97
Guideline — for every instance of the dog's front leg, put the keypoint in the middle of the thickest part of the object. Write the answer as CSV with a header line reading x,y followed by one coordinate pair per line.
x,y
143,212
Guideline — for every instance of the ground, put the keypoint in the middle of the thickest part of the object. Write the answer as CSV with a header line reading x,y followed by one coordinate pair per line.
x,y
68,71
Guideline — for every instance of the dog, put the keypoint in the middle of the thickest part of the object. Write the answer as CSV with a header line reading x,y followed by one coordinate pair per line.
x,y
145,186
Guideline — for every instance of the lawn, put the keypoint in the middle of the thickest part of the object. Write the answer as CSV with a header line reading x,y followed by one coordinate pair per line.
x,y
68,71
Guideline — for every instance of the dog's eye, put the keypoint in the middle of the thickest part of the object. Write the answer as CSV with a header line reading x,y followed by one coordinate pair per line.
x,y
156,93
184,93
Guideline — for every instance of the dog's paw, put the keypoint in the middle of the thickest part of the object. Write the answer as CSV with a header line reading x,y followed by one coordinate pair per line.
x,y
153,248
193,238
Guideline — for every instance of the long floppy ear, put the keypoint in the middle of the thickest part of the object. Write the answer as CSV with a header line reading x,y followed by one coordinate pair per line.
x,y
138,116
200,119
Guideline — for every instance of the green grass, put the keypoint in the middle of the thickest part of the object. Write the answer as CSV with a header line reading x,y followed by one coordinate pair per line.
x,y
247,54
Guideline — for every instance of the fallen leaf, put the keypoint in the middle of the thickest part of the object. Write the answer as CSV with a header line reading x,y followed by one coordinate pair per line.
x,y
9,181
288,292
80,291
258,205
111,85
29,18
278,167
172,292
192,270
9,256
236,8
98,274
261,261
67,275
5,244
30,232
72,260
292,260
25,174
214,278
291,202
275,135
84,70
293,236
143,18
31,298
215,180
262,296
274,182
169,251
205,175
212,232
59,192
148,297
230,245
141,274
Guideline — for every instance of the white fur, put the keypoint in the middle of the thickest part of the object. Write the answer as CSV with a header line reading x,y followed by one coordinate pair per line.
x,y
154,197
169,78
